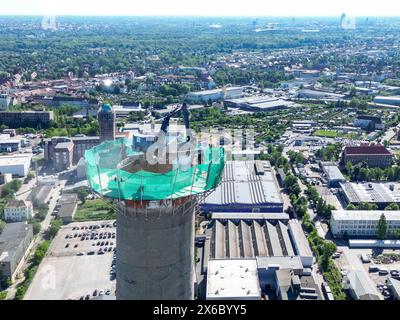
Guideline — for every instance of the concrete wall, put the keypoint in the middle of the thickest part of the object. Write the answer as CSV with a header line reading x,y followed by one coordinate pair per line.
x,y
155,252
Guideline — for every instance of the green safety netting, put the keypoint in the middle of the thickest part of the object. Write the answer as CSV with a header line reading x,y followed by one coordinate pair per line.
x,y
107,179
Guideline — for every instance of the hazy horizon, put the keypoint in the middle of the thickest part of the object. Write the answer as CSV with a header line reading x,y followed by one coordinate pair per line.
x,y
204,8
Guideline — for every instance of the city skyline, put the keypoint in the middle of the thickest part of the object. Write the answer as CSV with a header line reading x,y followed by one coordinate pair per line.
x,y
196,8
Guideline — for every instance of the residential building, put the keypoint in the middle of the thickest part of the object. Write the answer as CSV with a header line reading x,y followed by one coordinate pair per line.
x,y
18,210
361,224
106,117
14,242
5,100
5,178
17,165
80,145
372,155
63,153
33,119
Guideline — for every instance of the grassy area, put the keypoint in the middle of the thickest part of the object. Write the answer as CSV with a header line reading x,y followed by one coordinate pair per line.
x,y
93,210
325,133
3,295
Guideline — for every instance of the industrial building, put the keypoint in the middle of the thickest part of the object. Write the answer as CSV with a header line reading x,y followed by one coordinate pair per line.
x,y
318,95
373,156
333,174
285,278
247,186
10,145
369,123
267,278
300,243
67,204
22,119
18,210
17,165
248,238
361,224
14,242
359,287
249,235
381,194
234,279
390,100
258,103
215,95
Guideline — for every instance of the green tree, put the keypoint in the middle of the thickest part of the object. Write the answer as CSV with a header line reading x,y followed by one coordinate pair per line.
x,y
382,228
36,227
328,249
393,207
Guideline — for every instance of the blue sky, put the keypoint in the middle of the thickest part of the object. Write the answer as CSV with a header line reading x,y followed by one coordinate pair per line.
x,y
202,7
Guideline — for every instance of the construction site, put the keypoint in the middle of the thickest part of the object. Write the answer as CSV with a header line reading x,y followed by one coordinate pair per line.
x,y
155,180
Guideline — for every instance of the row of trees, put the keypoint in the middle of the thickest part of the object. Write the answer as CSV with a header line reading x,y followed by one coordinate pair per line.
x,y
363,173
322,249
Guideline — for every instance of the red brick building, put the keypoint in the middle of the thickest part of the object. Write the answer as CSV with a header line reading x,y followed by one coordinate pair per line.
x,y
374,156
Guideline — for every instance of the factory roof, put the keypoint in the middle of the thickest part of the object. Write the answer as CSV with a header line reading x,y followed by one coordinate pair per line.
x,y
249,239
10,141
362,288
250,215
233,279
367,150
333,172
372,192
362,215
11,237
14,160
292,262
242,185
301,243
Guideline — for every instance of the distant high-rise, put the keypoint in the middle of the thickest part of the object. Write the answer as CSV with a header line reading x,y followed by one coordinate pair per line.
x,y
106,117
342,20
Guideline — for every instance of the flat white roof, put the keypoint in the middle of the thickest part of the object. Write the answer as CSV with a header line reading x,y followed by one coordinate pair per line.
x,y
299,238
374,215
20,159
233,279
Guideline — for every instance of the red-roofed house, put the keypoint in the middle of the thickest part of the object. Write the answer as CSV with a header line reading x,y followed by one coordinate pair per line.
x,y
374,156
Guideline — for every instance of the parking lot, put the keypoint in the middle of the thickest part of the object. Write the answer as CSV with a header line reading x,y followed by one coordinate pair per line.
x,y
350,259
80,263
